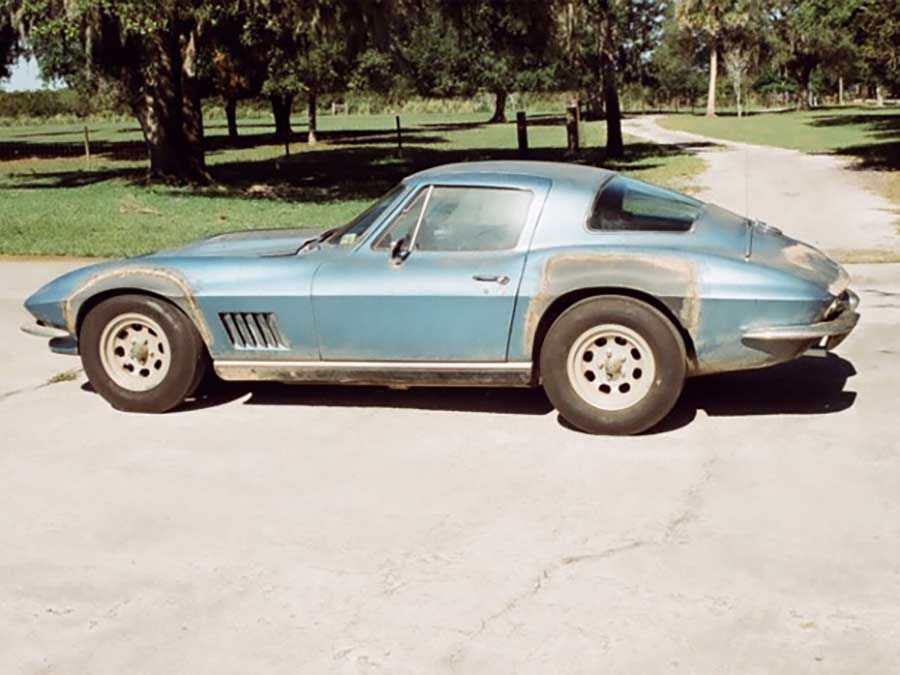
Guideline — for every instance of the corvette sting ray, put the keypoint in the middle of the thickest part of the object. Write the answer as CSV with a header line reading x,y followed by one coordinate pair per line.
x,y
606,291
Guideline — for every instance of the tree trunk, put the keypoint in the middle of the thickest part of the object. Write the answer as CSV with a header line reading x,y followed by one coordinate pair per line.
x,y
499,108
804,96
879,95
840,91
804,101
282,105
231,115
167,106
713,73
736,83
192,108
615,148
313,121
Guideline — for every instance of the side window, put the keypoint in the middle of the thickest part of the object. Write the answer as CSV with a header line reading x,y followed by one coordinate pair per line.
x,y
462,219
404,222
627,204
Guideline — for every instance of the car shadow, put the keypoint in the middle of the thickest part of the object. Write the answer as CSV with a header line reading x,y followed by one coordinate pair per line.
x,y
811,385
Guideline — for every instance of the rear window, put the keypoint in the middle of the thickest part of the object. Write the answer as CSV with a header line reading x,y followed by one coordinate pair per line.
x,y
628,204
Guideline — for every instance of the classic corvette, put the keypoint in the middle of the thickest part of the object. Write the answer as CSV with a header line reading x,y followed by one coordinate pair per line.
x,y
605,290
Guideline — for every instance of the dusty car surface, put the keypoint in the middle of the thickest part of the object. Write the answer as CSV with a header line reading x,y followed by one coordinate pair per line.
x,y
606,291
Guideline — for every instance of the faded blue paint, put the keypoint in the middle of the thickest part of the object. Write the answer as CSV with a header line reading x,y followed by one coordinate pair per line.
x,y
339,302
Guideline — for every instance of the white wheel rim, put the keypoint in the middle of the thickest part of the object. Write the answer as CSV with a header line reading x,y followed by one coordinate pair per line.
x,y
611,367
135,352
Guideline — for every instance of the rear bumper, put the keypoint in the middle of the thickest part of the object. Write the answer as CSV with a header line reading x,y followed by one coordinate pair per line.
x,y
829,333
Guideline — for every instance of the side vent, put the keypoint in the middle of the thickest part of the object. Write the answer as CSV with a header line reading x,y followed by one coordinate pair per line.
x,y
253,330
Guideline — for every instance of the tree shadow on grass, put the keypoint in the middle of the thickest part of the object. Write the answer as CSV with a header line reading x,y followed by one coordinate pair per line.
x,y
366,172
885,126
353,164
136,150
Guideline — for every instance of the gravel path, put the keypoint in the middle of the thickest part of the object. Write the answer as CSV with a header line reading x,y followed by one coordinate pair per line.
x,y
815,198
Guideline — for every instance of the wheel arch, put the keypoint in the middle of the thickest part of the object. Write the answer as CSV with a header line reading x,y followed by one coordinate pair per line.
x,y
86,305
567,300
161,284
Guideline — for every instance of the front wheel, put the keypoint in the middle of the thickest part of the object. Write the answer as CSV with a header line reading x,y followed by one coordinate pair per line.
x,y
142,354
613,365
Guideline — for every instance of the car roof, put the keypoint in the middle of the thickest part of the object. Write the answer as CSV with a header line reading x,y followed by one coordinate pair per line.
x,y
588,176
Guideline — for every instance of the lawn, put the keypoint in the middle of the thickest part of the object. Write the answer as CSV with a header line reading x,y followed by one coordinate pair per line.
x,y
53,203
871,137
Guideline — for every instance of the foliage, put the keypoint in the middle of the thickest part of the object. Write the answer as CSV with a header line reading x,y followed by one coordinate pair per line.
x,y
812,33
10,48
676,64
877,32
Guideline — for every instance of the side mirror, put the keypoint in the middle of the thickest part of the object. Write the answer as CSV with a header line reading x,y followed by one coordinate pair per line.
x,y
399,251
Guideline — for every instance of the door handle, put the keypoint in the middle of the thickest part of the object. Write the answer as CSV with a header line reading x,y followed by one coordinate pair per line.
x,y
501,279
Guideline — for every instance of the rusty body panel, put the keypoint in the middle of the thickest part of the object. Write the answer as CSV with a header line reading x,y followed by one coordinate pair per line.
x,y
722,281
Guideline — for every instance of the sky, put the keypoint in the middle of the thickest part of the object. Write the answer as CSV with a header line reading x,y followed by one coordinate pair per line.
x,y
25,77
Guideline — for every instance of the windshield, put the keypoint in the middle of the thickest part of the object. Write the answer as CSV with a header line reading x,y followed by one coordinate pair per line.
x,y
350,233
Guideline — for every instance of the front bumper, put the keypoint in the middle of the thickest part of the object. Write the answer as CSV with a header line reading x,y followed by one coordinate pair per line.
x,y
59,340
828,334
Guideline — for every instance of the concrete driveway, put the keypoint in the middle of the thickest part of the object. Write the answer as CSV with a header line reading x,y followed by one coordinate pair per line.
x,y
327,530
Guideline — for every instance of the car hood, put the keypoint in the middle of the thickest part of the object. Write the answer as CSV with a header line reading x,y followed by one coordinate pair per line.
x,y
768,246
248,243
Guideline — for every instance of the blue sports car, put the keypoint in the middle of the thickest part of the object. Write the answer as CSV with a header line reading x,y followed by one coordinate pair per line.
x,y
605,290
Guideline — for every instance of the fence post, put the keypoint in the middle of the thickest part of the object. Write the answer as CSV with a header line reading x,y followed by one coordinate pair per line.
x,y
572,130
87,147
399,136
522,132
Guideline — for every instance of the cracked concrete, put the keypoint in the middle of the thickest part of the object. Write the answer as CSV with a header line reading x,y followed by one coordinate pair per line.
x,y
327,530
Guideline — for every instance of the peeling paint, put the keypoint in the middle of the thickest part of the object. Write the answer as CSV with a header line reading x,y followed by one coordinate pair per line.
x,y
160,280
658,275
814,261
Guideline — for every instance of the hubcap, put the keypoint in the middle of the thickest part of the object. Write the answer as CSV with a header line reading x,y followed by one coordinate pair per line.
x,y
611,367
135,352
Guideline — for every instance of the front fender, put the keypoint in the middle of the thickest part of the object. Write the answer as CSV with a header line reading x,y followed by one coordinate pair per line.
x,y
61,302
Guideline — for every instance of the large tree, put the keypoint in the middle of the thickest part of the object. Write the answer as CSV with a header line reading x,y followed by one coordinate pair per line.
x,y
706,20
604,43
812,33
234,64
677,68
148,51
312,47
10,46
744,41
506,45
877,32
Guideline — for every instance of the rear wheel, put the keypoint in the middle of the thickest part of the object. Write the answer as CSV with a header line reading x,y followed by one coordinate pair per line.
x,y
142,354
613,365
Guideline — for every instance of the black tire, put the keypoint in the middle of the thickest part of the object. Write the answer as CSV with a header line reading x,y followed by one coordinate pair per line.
x,y
648,322
188,358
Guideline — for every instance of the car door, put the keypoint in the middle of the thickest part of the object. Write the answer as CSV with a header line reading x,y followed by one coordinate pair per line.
x,y
449,293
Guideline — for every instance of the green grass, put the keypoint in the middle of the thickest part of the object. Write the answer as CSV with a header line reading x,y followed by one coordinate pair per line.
x,y
53,203
871,133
